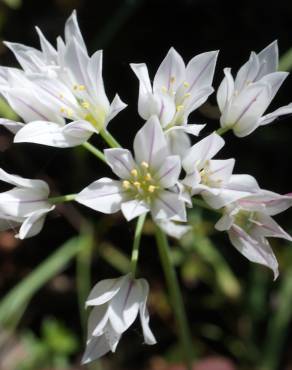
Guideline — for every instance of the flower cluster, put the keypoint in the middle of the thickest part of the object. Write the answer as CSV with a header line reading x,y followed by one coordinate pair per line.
x,y
59,95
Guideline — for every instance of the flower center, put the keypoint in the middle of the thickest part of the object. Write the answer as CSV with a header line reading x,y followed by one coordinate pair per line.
x,y
142,185
244,219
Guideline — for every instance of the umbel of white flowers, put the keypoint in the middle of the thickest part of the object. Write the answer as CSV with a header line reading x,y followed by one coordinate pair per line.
x,y
116,304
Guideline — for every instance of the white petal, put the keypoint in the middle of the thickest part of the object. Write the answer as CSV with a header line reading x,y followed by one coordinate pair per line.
x,y
141,71
97,320
224,223
76,60
104,291
104,195
134,208
248,107
96,347
40,186
192,129
200,71
178,142
52,134
258,251
174,229
269,56
248,72
275,81
12,126
21,202
169,172
167,205
150,144
171,72
72,30
116,106
225,90
244,183
268,118
202,151
121,161
144,315
33,224
48,50
112,337
269,228
124,307
95,80
222,197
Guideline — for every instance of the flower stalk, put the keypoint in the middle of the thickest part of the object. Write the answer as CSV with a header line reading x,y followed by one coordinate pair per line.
x,y
109,139
136,244
62,199
175,296
93,150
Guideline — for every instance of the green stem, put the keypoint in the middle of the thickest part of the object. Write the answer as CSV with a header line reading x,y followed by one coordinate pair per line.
x,y
136,244
221,131
62,198
176,296
92,149
109,139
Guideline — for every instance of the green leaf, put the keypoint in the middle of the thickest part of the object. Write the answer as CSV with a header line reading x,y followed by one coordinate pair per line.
x,y
14,303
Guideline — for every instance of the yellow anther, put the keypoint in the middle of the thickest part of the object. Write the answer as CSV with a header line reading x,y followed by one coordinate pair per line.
x,y
164,89
151,188
137,184
126,184
145,164
172,79
179,107
187,95
62,110
186,84
79,87
148,176
134,172
85,104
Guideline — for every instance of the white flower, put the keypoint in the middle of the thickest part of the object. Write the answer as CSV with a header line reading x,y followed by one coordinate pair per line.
x,y
248,223
58,85
145,181
177,91
116,304
26,205
243,102
212,178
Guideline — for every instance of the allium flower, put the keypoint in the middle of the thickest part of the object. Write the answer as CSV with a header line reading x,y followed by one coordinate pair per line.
x,y
177,91
248,223
55,86
26,205
116,304
212,178
243,102
145,181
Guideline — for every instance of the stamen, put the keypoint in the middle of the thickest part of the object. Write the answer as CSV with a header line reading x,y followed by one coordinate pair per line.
x,y
179,107
187,95
85,104
172,79
137,184
144,164
148,176
134,172
151,188
186,84
79,87
164,89
126,184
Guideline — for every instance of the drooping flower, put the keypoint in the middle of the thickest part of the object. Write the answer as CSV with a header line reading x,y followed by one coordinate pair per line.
x,y
213,178
56,86
116,304
26,205
244,101
248,223
177,91
145,182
